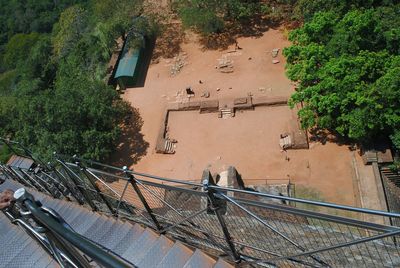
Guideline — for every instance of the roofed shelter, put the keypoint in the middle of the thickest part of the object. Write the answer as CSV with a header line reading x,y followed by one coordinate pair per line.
x,y
126,74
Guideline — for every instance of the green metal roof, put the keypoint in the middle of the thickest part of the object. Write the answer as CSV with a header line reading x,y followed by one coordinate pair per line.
x,y
128,62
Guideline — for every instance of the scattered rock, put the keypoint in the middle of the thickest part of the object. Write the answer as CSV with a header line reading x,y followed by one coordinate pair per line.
x,y
275,61
218,89
205,94
178,63
250,58
275,52
225,65
163,96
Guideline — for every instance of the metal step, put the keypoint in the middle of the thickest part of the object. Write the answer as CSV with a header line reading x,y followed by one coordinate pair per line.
x,y
118,231
18,249
140,246
156,253
99,228
199,260
176,257
222,264
83,222
134,233
29,255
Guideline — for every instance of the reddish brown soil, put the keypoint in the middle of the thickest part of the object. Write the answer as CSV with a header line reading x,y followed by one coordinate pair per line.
x,y
249,141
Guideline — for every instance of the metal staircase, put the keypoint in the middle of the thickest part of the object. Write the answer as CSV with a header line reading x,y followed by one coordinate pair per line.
x,y
18,249
391,185
151,221
139,245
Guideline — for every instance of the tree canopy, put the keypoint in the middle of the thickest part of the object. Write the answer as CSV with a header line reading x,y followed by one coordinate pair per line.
x,y
53,97
214,16
346,62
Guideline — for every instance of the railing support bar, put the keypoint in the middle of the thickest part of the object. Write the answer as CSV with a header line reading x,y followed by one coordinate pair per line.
x,y
93,183
132,181
73,177
21,179
120,199
63,179
215,207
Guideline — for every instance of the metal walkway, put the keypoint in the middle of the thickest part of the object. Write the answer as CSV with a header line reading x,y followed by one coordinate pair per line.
x,y
140,246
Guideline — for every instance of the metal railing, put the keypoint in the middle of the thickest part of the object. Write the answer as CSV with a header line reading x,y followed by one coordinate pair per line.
x,y
67,247
246,226
391,183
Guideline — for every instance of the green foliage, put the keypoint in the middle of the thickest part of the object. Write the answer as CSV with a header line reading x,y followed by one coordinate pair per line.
x,y
6,82
18,48
212,16
5,154
68,30
347,70
53,97
306,9
204,15
29,16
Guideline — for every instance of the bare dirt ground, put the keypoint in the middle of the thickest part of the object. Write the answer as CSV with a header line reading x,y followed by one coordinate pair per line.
x,y
249,141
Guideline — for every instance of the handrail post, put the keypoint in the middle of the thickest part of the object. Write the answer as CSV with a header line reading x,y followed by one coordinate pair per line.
x,y
215,206
5,172
93,183
39,181
72,175
132,181
21,179
55,181
64,181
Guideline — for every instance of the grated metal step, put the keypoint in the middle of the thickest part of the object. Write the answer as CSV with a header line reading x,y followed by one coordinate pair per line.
x,y
138,245
222,264
156,253
18,249
176,257
199,260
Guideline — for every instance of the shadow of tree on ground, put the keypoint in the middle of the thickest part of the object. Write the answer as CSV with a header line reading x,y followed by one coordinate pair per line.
x,y
168,44
323,136
131,144
254,27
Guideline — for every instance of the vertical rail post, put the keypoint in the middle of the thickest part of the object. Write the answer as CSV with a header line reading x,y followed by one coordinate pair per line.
x,y
21,179
64,190
121,198
132,181
215,206
43,184
66,183
97,189
5,172
73,178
